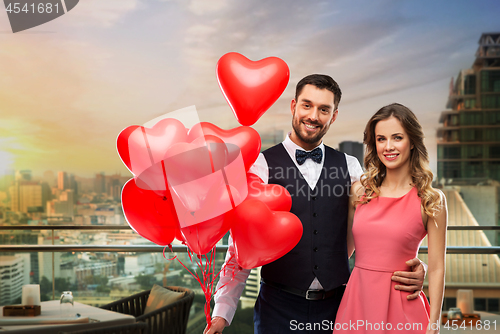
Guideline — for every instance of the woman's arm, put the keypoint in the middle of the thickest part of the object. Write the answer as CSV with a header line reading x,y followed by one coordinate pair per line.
x,y
436,229
356,191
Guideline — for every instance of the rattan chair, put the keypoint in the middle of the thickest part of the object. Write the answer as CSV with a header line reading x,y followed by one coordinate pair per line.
x,y
137,328
170,319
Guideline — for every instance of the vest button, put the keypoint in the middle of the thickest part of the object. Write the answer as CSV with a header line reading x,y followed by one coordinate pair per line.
x,y
316,267
315,249
315,214
315,232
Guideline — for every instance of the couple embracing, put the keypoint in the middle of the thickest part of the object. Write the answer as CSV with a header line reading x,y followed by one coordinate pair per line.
x,y
383,214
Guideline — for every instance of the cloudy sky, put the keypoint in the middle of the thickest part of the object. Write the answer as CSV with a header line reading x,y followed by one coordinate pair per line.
x,y
68,87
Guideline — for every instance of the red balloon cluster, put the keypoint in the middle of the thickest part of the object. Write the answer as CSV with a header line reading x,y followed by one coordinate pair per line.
x,y
193,184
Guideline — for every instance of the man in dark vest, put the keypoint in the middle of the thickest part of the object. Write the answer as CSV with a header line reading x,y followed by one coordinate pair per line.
x,y
301,291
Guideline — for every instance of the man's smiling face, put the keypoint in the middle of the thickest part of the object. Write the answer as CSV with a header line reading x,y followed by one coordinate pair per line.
x,y
313,112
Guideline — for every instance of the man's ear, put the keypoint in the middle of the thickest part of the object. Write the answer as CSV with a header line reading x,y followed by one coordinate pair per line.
x,y
334,117
293,104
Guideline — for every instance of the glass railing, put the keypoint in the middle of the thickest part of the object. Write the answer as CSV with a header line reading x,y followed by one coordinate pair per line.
x,y
100,264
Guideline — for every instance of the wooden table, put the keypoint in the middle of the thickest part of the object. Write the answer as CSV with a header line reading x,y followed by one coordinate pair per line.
x,y
89,318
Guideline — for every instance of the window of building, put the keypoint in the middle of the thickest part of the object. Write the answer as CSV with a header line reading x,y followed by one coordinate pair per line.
x,y
470,84
472,151
492,117
490,81
494,152
479,304
449,169
494,170
492,135
493,305
474,169
490,101
470,103
486,304
471,118
449,302
468,135
449,152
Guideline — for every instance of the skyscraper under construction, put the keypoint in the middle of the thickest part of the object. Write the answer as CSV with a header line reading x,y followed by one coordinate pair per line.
x,y
469,140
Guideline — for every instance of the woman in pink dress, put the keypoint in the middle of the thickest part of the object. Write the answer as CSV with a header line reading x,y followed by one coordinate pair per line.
x,y
392,209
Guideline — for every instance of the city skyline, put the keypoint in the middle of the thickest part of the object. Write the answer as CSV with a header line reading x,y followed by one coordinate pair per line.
x,y
70,86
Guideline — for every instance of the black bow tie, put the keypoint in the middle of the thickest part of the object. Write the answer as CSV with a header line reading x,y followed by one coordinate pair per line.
x,y
316,155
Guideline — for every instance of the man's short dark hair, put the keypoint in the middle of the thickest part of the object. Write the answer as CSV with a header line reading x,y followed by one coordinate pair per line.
x,y
320,81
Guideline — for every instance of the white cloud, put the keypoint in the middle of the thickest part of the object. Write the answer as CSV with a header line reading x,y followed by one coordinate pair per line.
x,y
104,13
204,7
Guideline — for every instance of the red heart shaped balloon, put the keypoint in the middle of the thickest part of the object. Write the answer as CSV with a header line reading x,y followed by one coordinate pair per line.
x,y
251,87
122,145
245,137
196,170
260,235
151,216
201,238
140,147
276,197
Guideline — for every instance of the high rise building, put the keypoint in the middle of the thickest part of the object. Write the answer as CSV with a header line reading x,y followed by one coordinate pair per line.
x,y
14,273
26,196
73,185
100,183
62,181
114,185
20,237
469,140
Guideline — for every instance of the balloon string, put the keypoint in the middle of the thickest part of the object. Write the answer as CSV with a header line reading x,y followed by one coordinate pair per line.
x,y
211,158
207,271
233,272
164,174
227,187
169,246
189,271
147,145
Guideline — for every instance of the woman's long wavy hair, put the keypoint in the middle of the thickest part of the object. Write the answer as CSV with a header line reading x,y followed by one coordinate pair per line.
x,y
419,159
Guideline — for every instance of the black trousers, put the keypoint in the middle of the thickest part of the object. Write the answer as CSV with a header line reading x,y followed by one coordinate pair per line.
x,y
278,312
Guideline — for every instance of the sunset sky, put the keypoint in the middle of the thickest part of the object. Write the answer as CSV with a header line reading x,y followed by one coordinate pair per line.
x,y
68,87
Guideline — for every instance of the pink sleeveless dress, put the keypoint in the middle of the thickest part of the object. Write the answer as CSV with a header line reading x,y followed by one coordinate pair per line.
x,y
387,233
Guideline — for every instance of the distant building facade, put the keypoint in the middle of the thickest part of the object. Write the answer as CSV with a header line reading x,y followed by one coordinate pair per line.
x,y
26,196
14,273
469,140
63,206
